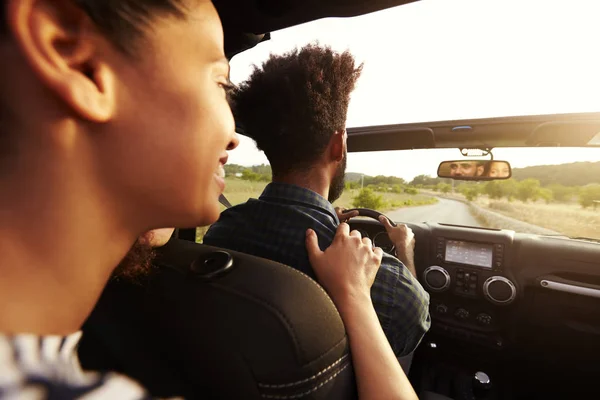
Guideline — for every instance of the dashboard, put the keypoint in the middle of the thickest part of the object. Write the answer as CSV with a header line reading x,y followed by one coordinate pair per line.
x,y
497,290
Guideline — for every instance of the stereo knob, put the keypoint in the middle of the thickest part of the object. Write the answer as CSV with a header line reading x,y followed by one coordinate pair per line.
x,y
436,279
499,290
461,313
441,309
484,319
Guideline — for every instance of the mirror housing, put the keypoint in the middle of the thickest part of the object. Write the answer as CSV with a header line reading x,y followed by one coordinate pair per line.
x,y
475,170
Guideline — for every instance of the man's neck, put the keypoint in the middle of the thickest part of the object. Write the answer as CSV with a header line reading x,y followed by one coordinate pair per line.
x,y
60,243
312,180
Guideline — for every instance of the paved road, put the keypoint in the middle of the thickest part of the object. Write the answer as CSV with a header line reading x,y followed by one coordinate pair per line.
x,y
446,211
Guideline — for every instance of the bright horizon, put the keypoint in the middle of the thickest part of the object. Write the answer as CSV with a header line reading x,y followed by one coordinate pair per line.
x,y
438,60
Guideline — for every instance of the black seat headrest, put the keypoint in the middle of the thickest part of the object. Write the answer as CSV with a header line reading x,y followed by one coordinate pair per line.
x,y
222,324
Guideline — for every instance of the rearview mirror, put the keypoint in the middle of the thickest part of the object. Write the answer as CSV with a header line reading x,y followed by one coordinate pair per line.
x,y
475,170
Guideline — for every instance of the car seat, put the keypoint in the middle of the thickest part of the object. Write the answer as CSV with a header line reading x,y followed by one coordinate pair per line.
x,y
213,323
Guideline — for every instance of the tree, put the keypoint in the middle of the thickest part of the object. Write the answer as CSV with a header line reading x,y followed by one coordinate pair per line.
x,y
470,191
589,196
494,190
248,175
352,185
397,188
426,180
561,193
546,195
444,187
262,169
232,169
366,198
528,189
508,188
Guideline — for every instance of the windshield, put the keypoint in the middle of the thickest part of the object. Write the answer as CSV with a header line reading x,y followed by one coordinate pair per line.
x,y
438,60
552,190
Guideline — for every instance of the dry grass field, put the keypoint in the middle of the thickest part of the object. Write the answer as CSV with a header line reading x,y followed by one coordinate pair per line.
x,y
568,219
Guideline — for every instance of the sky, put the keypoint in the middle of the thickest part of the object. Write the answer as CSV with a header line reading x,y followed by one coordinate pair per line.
x,y
439,60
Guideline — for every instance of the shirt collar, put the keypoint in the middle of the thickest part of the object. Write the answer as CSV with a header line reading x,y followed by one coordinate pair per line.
x,y
299,195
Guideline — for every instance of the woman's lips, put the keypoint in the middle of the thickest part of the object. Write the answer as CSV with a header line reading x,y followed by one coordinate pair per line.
x,y
220,177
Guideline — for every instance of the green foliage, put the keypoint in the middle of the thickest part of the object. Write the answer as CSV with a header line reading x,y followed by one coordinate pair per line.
x,y
411,190
499,189
562,194
528,189
444,187
233,169
546,195
494,190
252,176
426,180
256,173
472,192
262,169
508,188
352,185
589,196
397,188
381,180
366,198
248,175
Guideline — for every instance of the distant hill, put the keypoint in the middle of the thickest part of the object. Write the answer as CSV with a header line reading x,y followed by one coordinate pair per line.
x,y
573,174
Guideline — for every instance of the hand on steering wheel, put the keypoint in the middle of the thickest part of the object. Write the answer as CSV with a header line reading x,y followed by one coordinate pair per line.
x,y
401,235
344,215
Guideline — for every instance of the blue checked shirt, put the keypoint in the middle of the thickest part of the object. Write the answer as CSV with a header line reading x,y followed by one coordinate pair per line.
x,y
274,227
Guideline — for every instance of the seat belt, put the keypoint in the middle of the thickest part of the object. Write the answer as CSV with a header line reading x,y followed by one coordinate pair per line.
x,y
190,234
223,200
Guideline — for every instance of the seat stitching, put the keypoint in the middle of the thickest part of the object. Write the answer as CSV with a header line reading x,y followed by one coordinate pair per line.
x,y
296,396
262,385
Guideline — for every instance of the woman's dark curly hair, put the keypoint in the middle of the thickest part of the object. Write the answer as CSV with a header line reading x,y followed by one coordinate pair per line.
x,y
122,21
293,104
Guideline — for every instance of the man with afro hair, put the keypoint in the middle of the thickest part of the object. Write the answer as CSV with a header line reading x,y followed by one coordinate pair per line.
x,y
295,108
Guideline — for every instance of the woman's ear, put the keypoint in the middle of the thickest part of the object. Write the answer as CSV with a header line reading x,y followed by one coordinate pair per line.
x,y
61,45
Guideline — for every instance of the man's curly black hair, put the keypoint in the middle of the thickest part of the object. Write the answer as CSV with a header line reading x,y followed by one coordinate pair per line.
x,y
295,102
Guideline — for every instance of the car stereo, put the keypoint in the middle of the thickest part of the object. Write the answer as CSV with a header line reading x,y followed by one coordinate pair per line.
x,y
471,254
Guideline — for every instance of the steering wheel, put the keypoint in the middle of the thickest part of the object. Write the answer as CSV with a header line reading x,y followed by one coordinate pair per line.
x,y
367,212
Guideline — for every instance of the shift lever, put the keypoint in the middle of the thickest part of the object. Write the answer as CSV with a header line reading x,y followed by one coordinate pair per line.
x,y
481,385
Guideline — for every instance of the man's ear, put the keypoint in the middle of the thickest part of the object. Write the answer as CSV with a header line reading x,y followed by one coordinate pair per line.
x,y
60,43
337,145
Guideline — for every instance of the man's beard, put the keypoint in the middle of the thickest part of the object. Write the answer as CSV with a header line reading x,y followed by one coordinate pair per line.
x,y
137,263
336,188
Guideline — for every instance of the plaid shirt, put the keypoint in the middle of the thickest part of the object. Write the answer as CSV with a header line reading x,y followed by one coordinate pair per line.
x,y
274,227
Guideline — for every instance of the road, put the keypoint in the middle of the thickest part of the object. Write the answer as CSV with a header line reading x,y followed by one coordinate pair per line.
x,y
446,211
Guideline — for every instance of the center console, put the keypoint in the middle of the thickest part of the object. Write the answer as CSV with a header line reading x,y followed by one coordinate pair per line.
x,y
470,284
